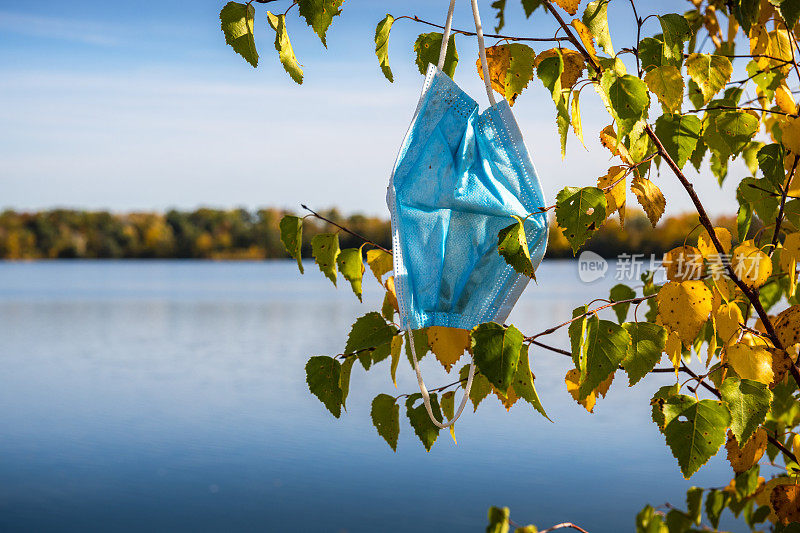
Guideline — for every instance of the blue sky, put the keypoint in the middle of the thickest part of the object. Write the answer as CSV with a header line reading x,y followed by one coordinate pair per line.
x,y
141,105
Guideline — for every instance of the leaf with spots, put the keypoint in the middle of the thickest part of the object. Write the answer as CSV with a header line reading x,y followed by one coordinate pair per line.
x,y
352,268
385,415
325,249
606,346
679,135
650,198
382,45
237,22
613,186
292,237
481,388
284,47
579,212
523,383
676,31
595,16
647,343
742,458
322,377
319,15
370,333
750,362
710,72
427,48
496,350
667,84
510,68
694,430
629,101
512,244
420,421
570,6
684,307
785,501
748,401
448,344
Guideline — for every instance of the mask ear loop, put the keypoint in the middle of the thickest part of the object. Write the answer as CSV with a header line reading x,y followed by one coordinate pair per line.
x,y
481,46
426,396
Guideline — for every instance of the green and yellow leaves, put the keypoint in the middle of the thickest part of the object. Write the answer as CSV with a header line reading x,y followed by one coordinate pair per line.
x,y
647,343
427,48
523,383
237,22
750,362
370,333
510,68
570,6
629,101
382,45
596,19
694,430
322,376
650,198
284,47
325,249
679,135
352,268
292,237
728,133
512,245
667,84
606,347
710,72
496,350
498,520
448,344
676,32
379,262
385,415
421,422
748,401
319,15
579,212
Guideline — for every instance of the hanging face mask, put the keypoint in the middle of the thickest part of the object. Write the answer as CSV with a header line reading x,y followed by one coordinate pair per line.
x,y
458,180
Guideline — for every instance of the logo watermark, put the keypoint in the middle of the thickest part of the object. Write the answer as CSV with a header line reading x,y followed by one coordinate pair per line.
x,y
591,266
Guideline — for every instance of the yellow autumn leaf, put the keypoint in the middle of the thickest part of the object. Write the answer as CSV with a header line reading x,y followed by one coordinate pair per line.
x,y
573,379
608,138
784,500
510,68
683,263
684,307
575,119
570,6
728,318
781,363
673,349
743,457
391,294
790,133
666,83
707,247
750,362
650,198
751,264
615,195
787,326
379,262
573,65
586,37
784,99
796,445
508,399
448,344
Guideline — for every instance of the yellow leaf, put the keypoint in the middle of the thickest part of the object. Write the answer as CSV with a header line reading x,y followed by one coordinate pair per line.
x,y
586,37
448,344
577,124
728,318
666,83
650,198
759,40
391,294
683,263
570,6
750,362
510,68
602,389
781,362
572,380
762,497
790,133
684,307
742,458
796,445
673,349
573,65
508,399
784,99
787,326
785,502
379,262
751,265
608,138
707,247
615,196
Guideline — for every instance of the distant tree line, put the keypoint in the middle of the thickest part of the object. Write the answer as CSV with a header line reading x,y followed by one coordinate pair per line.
x,y
241,234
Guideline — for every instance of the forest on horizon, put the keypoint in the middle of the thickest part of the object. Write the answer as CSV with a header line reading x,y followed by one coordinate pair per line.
x,y
220,234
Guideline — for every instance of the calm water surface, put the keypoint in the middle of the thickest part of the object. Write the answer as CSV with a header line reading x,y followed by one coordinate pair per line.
x,y
167,396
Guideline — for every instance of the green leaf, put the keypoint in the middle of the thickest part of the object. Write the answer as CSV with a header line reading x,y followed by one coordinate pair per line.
x,y
523,382
695,94
647,344
319,15
729,132
619,293
529,6
498,520
397,345
698,154
744,217
237,22
382,45
766,80
427,48
284,47
579,212
667,84
770,161
596,19
748,401
449,410
694,430
385,415
292,237
352,268
496,350
421,422
679,135
710,72
606,346
325,249
648,521
521,60
629,100
657,404
549,71
512,245
577,337
757,195
344,378
500,6
716,501
651,53
676,32
746,12
481,388
420,337
369,333
322,376
694,504
750,155
790,11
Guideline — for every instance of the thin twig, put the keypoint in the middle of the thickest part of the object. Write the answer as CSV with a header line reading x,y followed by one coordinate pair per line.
x,y
488,35
351,232
563,525
784,192
548,331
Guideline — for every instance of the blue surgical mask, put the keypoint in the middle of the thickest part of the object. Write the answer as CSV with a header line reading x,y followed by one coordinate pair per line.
x,y
459,178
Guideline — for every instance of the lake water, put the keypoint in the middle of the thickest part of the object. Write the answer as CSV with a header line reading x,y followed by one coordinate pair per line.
x,y
171,395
